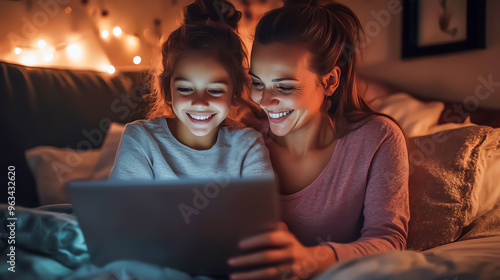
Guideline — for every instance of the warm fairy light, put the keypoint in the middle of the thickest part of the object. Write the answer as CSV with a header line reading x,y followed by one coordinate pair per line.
x,y
74,51
18,51
104,34
132,40
137,59
41,44
117,31
111,69
48,57
68,9
29,60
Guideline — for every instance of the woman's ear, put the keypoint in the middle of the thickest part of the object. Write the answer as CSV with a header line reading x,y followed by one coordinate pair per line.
x,y
331,81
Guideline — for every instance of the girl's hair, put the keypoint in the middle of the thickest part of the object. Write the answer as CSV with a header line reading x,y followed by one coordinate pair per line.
x,y
209,27
332,33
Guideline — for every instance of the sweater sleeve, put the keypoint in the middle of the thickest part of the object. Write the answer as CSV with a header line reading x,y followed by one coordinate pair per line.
x,y
386,207
131,162
257,162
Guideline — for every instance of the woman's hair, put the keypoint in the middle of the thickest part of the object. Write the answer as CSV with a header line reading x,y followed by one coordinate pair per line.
x,y
209,27
332,33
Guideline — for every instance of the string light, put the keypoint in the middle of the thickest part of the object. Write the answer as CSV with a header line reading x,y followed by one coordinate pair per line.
x,y
137,60
104,34
18,51
133,40
111,69
29,60
117,31
41,44
74,51
48,57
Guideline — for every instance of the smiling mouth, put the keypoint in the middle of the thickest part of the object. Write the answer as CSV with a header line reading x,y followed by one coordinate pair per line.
x,y
200,117
279,115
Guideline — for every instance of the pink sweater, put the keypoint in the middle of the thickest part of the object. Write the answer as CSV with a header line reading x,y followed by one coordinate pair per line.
x,y
359,203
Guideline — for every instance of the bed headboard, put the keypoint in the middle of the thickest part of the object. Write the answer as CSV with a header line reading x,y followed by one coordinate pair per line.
x,y
54,107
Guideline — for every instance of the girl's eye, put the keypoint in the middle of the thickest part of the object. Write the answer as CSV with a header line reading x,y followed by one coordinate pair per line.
x,y
215,91
184,90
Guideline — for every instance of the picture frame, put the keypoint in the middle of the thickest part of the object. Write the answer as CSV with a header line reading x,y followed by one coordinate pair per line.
x,y
432,27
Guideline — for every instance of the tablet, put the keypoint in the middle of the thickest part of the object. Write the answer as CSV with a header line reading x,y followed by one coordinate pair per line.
x,y
192,225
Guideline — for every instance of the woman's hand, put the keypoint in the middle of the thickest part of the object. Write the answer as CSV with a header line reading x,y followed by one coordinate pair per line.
x,y
288,258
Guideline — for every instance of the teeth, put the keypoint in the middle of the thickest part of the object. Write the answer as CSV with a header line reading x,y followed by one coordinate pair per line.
x,y
201,117
279,115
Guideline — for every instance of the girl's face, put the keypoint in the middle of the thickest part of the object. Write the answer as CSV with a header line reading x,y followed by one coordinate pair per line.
x,y
284,86
201,93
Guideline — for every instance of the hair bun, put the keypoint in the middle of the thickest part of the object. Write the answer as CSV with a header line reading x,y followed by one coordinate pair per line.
x,y
313,3
213,10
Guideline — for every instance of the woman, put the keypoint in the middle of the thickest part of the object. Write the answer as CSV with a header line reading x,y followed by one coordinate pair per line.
x,y
343,169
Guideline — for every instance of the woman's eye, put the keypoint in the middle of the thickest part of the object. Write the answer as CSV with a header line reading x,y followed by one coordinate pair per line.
x,y
285,89
257,85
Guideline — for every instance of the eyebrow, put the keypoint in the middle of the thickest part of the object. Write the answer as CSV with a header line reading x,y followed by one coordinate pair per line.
x,y
214,82
275,80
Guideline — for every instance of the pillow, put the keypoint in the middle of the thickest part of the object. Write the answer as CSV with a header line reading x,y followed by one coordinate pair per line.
x,y
446,183
414,116
109,149
372,93
53,167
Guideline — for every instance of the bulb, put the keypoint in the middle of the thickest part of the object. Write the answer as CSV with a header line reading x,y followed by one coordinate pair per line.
x,y
133,41
137,60
111,69
29,60
18,51
105,34
48,57
74,51
117,31
41,44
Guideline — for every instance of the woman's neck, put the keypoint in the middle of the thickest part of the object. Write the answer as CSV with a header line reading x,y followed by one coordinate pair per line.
x,y
317,134
186,137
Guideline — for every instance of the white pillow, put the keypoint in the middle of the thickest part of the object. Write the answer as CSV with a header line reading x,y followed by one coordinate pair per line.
x,y
109,149
489,195
54,167
415,117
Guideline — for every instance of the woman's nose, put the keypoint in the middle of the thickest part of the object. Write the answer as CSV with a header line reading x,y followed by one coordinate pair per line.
x,y
267,99
200,99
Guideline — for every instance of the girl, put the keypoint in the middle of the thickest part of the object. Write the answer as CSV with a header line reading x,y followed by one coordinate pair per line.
x,y
202,75
343,169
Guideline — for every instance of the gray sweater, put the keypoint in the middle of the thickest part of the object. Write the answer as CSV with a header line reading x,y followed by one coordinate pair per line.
x,y
148,150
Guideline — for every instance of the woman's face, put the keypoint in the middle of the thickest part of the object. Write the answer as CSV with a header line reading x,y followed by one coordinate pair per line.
x,y
201,93
285,87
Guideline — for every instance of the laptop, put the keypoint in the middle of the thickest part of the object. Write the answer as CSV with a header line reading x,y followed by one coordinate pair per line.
x,y
192,225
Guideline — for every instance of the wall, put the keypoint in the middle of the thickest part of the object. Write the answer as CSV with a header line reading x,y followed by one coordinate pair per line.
x,y
453,77
61,22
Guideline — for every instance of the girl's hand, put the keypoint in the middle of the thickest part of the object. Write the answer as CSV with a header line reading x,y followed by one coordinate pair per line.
x,y
288,258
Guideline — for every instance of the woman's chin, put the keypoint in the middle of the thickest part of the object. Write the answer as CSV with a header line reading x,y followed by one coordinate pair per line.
x,y
279,130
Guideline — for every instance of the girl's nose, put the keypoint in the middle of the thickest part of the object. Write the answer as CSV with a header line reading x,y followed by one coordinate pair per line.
x,y
200,99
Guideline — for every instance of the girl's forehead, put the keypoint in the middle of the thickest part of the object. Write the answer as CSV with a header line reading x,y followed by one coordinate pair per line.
x,y
199,65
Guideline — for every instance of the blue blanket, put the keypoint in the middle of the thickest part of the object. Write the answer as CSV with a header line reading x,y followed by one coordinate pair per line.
x,y
50,245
